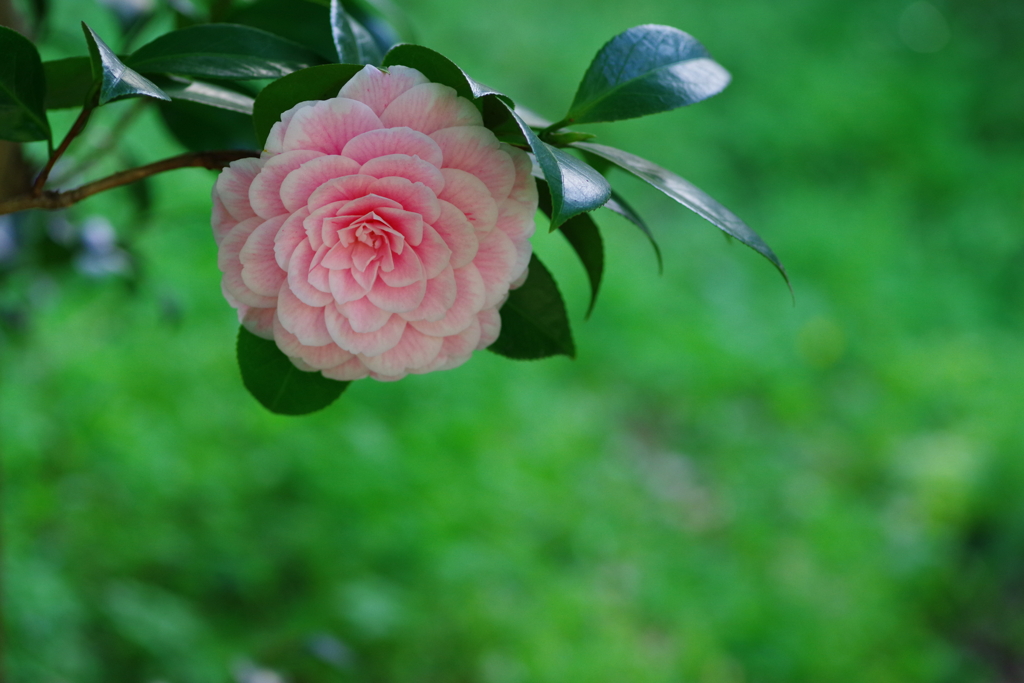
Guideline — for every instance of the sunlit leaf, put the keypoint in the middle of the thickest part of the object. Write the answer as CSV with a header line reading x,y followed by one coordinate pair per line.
x,y
116,80
277,384
646,70
22,89
533,319
585,239
210,94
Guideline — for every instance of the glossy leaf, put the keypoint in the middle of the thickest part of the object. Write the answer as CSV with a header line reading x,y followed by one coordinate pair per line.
x,y
618,204
352,42
646,70
305,23
116,80
316,83
202,128
210,94
533,319
585,239
439,69
689,195
68,82
575,186
277,384
22,90
223,51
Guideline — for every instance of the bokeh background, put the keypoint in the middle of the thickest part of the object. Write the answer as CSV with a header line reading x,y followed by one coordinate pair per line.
x,y
724,487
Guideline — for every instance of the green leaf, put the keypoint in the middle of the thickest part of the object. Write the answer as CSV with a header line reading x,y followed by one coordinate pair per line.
x,y
618,204
352,42
116,80
575,186
315,83
689,195
533,319
584,238
305,23
646,70
22,90
68,82
439,69
210,94
200,128
281,387
224,51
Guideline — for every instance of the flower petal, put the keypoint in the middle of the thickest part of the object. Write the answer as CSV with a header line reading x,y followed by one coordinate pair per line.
x,y
408,268
259,321
275,140
404,166
344,287
377,89
458,234
363,316
328,125
430,107
495,261
413,350
474,149
299,185
349,371
490,327
438,298
260,271
412,196
470,196
265,191
229,263
368,344
220,220
394,140
316,357
233,186
432,250
397,299
305,322
458,348
289,236
343,189
408,224
468,302
298,278
524,190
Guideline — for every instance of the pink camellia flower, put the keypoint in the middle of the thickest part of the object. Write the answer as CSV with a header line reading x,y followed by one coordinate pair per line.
x,y
380,230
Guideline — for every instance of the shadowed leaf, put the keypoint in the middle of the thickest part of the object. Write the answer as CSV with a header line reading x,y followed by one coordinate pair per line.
x,y
533,319
22,90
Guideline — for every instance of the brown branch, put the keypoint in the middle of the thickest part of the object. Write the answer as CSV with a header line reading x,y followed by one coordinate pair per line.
x,y
51,200
77,127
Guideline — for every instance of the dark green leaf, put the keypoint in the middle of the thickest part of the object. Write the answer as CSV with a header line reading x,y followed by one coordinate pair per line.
x,y
689,195
116,80
646,70
281,387
201,128
352,42
305,23
438,69
575,186
618,204
584,238
533,320
210,94
316,83
22,90
68,82
224,51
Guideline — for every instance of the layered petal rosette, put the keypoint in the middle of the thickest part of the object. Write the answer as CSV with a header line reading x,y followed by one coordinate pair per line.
x,y
380,230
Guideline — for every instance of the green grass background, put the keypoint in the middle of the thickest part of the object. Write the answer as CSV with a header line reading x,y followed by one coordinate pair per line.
x,y
724,487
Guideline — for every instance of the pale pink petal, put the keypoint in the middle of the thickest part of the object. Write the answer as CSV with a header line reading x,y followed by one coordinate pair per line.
x,y
524,190
316,357
369,202
407,223
495,261
368,344
305,322
289,236
459,347
404,166
470,196
363,316
259,321
344,287
468,302
233,186
396,140
349,371
521,279
476,151
397,299
327,126
229,263
490,327
275,140
517,220
438,298
298,278
221,220
260,271
407,269
430,107
343,189
265,191
378,89
413,350
432,250
415,197
301,364
367,277
458,233
339,256
299,185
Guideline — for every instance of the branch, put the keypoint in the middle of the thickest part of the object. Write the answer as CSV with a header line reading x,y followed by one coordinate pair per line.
x,y
77,127
61,200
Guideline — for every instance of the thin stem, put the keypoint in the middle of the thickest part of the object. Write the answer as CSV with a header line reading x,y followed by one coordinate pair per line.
x,y
107,143
76,128
61,200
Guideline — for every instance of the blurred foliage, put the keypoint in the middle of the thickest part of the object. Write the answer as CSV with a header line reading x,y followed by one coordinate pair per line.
x,y
722,488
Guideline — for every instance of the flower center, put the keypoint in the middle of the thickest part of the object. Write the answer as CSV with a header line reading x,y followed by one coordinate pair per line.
x,y
371,239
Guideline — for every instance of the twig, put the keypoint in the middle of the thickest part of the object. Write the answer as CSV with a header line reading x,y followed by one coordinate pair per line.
x,y
106,143
51,200
76,128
